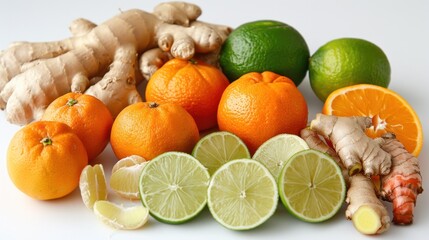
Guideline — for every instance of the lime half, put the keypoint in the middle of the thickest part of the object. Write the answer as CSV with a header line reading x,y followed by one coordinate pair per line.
x,y
173,186
217,148
277,150
121,217
311,186
242,194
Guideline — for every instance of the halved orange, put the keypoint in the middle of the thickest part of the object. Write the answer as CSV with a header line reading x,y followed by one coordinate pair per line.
x,y
389,112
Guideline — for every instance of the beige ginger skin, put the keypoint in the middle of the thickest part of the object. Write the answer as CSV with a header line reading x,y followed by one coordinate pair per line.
x,y
356,150
101,60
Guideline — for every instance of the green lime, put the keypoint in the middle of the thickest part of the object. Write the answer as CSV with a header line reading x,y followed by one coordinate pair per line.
x,y
173,186
347,61
311,186
277,150
242,194
121,217
217,148
265,46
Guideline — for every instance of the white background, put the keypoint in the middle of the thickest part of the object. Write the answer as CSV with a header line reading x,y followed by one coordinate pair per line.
x,y
400,28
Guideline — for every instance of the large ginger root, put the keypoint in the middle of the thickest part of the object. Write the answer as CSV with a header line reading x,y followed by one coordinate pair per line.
x,y
402,185
99,60
367,212
356,150
365,209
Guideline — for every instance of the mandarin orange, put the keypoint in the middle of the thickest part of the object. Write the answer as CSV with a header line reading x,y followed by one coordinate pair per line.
x,y
87,116
148,129
192,84
259,106
45,159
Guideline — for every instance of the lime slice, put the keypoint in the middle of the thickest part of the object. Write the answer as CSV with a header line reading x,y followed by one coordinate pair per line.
x,y
92,184
125,176
173,186
120,217
215,149
277,150
242,194
311,186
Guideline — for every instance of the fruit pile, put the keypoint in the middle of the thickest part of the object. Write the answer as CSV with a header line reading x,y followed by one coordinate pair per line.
x,y
236,138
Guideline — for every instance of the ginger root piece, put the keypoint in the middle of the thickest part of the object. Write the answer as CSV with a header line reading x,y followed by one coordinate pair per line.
x,y
356,150
402,185
152,60
100,58
365,209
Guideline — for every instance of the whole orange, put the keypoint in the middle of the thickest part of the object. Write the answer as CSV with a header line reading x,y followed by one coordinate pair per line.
x,y
192,84
87,116
259,106
45,159
148,129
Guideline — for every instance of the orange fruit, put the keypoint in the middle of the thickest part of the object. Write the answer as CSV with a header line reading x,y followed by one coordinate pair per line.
x,y
148,129
45,159
388,110
192,84
87,116
259,106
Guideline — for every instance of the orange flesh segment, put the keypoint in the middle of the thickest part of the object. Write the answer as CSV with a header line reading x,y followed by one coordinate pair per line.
x,y
388,110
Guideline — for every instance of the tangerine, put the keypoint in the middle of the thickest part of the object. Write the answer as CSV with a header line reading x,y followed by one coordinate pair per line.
x,y
45,159
192,84
148,129
259,106
87,116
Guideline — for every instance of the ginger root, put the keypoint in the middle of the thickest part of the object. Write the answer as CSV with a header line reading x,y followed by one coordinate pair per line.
x,y
365,209
100,60
402,185
356,150
152,60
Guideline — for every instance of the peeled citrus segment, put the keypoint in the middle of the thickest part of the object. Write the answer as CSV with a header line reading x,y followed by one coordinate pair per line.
x,y
121,217
173,186
277,150
92,184
125,176
388,110
242,194
311,186
217,148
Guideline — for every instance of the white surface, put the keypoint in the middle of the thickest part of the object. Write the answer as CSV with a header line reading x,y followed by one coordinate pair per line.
x,y
400,28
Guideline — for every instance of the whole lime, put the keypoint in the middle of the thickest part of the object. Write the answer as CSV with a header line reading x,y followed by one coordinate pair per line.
x,y
265,45
347,61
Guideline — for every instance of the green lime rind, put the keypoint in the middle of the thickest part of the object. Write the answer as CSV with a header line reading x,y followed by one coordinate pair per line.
x,y
347,61
218,148
265,45
311,186
242,194
274,152
173,186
